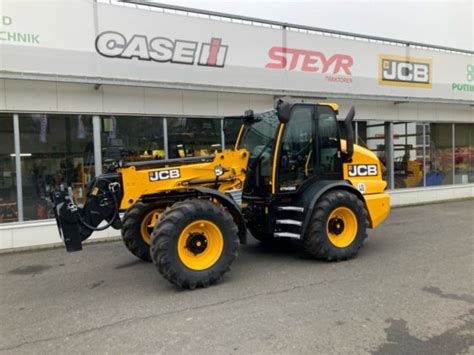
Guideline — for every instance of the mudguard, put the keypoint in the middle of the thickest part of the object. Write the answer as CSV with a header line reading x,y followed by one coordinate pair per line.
x,y
311,195
231,206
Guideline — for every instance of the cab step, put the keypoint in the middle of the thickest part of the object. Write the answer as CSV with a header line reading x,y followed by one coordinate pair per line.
x,y
292,222
286,235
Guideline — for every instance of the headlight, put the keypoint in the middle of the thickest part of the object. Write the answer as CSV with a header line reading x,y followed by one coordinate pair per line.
x,y
218,170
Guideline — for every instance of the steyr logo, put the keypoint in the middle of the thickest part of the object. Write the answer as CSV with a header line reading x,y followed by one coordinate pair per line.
x,y
362,170
164,175
337,67
405,71
161,49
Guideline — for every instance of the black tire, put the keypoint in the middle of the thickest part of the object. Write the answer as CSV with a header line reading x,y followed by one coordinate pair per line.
x,y
131,230
316,240
165,237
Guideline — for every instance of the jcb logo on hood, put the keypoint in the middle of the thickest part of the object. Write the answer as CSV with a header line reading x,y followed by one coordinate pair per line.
x,y
362,170
405,71
164,175
161,49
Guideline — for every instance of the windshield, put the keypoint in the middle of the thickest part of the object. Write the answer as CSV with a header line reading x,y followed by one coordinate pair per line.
x,y
258,138
259,132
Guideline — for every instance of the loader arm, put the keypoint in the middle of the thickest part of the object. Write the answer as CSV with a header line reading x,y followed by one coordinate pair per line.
x,y
128,183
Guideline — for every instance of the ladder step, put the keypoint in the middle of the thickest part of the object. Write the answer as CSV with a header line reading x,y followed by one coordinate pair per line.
x,y
291,208
286,235
289,221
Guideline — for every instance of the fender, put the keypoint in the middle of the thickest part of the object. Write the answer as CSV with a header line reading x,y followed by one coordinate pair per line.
x,y
193,192
311,195
231,206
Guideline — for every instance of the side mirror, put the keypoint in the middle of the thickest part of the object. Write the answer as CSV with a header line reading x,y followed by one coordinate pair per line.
x,y
283,110
349,134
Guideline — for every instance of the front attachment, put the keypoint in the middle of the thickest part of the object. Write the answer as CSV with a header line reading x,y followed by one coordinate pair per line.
x,y
67,219
102,204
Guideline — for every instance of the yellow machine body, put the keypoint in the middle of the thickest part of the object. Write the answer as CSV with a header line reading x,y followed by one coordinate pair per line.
x,y
142,181
371,186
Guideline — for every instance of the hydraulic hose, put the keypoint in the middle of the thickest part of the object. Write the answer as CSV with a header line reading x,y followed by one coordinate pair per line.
x,y
111,221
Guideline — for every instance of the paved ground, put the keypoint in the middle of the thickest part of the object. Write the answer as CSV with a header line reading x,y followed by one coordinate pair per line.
x,y
410,291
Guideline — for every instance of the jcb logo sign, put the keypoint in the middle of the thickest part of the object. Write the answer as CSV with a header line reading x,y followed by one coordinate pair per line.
x,y
362,170
405,71
164,175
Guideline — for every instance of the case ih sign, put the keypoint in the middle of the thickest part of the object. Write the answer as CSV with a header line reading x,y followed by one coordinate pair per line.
x,y
161,49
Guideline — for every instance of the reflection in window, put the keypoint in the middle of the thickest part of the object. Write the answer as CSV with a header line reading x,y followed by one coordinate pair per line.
x,y
408,154
464,153
8,205
55,149
189,137
371,135
131,138
439,167
232,128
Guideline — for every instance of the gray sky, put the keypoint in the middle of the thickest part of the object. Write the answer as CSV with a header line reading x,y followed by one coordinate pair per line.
x,y
447,23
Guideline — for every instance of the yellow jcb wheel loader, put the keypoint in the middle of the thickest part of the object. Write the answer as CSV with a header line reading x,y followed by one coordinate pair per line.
x,y
289,176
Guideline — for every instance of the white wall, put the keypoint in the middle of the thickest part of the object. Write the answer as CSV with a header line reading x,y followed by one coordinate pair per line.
x,y
23,95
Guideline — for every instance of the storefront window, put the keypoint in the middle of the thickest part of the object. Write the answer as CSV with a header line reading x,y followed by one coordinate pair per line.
x,y
131,138
55,149
232,128
371,135
188,137
439,150
463,153
8,204
408,154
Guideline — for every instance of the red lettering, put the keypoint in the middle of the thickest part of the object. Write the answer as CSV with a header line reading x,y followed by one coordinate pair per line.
x,y
308,61
280,56
340,61
277,54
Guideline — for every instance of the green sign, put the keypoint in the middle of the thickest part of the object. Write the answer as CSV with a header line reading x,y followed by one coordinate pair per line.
x,y
16,37
467,87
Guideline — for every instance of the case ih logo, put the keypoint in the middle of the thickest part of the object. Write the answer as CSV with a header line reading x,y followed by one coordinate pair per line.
x,y
161,49
405,71
337,67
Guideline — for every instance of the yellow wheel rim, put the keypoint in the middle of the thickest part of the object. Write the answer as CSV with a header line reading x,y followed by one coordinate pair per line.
x,y
200,245
148,223
341,227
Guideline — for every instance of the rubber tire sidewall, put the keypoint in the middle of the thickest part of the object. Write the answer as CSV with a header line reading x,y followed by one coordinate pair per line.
x,y
316,240
164,250
131,230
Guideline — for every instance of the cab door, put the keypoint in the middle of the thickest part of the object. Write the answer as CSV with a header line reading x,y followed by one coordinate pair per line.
x,y
295,160
328,161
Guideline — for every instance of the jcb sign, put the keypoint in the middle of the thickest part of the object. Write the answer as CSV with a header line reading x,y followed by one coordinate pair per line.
x,y
362,170
164,175
405,71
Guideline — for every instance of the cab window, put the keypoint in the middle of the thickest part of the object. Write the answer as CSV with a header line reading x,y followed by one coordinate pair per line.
x,y
329,163
296,162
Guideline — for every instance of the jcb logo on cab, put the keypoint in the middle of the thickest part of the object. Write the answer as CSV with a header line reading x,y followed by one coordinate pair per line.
x,y
164,175
405,71
362,170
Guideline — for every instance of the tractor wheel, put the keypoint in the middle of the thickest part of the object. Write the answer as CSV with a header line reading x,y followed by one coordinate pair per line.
x,y
195,243
337,228
138,224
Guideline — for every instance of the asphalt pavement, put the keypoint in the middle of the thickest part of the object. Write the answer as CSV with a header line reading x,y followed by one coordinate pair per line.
x,y
410,291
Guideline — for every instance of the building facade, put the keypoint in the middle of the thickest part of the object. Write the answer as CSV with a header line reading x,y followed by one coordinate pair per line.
x,y
83,83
